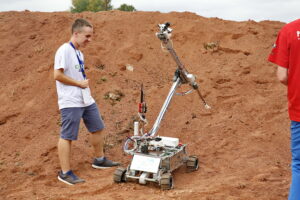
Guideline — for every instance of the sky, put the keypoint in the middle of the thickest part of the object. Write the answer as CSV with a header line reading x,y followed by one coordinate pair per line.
x,y
236,10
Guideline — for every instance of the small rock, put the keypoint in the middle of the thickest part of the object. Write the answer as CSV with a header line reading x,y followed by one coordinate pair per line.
x,y
129,67
2,121
32,37
194,116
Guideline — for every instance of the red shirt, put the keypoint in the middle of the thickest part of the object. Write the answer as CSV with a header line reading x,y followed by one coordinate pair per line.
x,y
286,53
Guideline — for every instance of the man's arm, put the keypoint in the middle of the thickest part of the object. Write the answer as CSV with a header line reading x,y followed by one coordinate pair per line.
x,y
282,75
61,77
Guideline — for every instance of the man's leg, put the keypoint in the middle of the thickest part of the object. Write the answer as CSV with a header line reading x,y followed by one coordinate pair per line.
x,y
69,131
295,148
95,125
64,154
96,140
100,161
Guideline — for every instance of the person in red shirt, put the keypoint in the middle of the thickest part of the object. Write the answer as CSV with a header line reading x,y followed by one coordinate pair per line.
x,y
286,54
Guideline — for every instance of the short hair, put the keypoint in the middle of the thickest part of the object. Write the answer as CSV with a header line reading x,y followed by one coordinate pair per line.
x,y
79,24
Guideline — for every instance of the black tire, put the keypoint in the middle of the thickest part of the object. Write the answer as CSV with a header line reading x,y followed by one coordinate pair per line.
x,y
119,175
166,181
192,163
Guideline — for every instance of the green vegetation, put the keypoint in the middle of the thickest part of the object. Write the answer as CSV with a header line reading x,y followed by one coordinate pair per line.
x,y
128,8
97,5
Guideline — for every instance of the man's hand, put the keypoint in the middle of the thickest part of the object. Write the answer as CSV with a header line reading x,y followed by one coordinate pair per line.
x,y
60,76
282,75
83,84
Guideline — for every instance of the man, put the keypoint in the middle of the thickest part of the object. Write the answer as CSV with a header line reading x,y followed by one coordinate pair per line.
x,y
286,54
75,102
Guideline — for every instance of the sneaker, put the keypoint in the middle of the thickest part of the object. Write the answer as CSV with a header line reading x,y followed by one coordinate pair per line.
x,y
69,178
104,163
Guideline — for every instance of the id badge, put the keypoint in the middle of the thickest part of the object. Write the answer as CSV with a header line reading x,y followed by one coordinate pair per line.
x,y
86,94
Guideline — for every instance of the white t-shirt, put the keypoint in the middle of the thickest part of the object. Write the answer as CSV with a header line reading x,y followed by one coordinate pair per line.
x,y
68,95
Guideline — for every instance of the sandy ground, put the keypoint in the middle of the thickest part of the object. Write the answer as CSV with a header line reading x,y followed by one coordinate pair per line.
x,y
242,142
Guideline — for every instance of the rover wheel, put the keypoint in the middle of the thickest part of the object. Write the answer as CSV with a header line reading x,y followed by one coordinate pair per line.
x,y
192,163
119,175
166,181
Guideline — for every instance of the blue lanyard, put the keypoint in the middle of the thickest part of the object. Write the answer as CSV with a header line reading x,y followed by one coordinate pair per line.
x,y
81,63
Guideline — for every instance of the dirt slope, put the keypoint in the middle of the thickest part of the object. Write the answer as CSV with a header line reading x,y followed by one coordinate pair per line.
x,y
242,143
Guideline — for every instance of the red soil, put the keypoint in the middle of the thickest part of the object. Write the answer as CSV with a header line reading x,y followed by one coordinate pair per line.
x,y
242,142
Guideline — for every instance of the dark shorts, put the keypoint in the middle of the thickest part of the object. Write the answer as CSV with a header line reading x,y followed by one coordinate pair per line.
x,y
71,117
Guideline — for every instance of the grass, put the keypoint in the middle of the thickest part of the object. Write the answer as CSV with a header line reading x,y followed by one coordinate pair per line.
x,y
100,66
102,80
